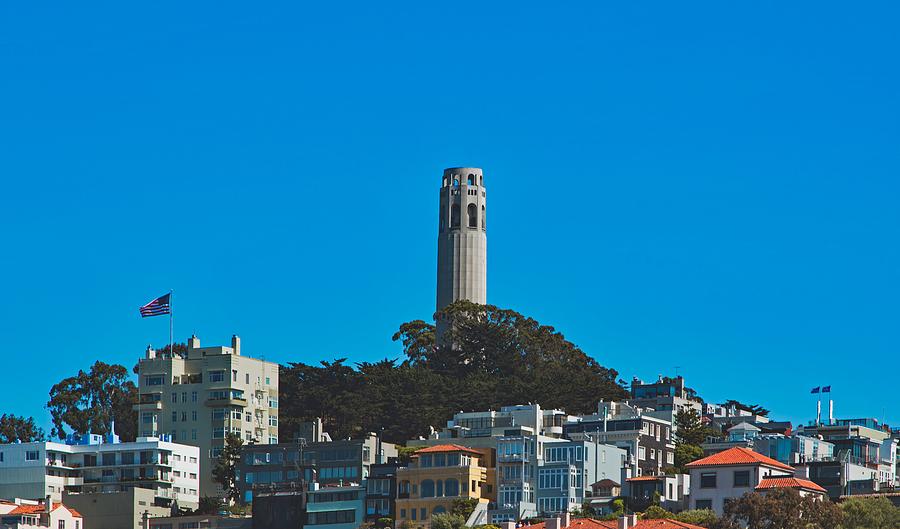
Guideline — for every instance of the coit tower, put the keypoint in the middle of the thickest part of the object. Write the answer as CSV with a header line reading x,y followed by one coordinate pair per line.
x,y
462,238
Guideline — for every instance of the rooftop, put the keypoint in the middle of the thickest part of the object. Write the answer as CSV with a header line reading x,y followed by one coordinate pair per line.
x,y
789,483
437,449
588,523
738,456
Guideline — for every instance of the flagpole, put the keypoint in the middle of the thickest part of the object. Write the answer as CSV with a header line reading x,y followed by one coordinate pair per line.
x,y
171,323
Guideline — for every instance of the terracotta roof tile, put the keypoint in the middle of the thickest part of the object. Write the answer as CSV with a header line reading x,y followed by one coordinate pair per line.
x,y
738,456
792,483
37,509
446,448
645,478
588,523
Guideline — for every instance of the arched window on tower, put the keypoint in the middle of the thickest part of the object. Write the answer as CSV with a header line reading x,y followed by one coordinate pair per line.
x,y
483,219
471,179
481,180
473,216
454,216
456,182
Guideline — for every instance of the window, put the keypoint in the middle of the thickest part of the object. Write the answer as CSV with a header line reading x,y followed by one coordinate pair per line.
x,y
703,504
193,435
483,219
273,403
62,524
217,376
708,480
642,453
154,380
174,398
742,478
652,453
32,455
473,215
194,415
454,216
423,513
247,378
234,375
402,513
268,381
670,458
427,489
174,415
193,396
184,416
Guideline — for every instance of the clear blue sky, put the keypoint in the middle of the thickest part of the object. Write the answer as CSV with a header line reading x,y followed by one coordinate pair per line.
x,y
711,185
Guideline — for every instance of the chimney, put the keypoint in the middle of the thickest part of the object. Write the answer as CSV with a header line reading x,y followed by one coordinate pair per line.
x,y
194,342
236,344
552,523
151,353
48,505
830,411
628,521
508,525
566,519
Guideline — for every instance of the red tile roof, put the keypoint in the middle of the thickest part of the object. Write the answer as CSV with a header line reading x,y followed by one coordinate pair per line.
x,y
446,448
37,509
588,523
738,456
645,478
792,483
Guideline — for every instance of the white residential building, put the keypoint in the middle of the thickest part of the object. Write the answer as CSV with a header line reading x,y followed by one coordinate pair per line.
x,y
729,475
88,464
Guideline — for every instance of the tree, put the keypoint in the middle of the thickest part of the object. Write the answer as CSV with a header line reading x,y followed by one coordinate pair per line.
x,y
701,517
870,513
780,509
19,429
463,507
655,512
447,521
689,429
225,470
499,357
685,454
89,402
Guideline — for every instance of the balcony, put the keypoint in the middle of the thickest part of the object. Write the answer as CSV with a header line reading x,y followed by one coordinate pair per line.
x,y
226,401
148,406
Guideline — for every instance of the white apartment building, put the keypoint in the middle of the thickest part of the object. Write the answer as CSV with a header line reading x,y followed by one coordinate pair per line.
x,y
88,464
201,396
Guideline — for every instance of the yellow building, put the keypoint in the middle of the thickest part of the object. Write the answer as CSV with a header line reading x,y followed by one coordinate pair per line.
x,y
435,478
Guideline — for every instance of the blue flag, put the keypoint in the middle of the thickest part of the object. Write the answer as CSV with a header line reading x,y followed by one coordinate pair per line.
x,y
826,389
815,389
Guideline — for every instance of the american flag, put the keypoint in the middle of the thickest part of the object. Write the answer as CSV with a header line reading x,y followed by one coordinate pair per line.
x,y
157,307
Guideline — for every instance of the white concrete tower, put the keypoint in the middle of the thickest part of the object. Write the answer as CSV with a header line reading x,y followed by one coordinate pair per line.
x,y
462,238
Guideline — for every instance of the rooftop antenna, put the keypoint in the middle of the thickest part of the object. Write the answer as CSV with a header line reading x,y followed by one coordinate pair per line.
x,y
676,371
